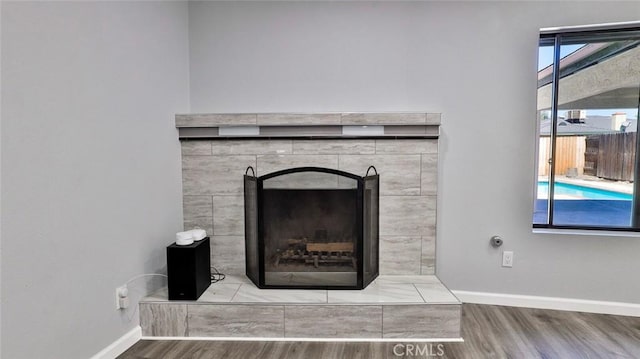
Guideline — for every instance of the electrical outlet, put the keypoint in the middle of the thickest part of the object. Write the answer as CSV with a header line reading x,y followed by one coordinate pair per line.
x,y
121,292
507,259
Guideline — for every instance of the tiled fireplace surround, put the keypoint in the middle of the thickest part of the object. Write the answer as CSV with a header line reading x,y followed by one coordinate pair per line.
x,y
212,185
212,170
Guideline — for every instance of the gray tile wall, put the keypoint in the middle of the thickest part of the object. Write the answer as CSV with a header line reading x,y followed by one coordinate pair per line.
x,y
213,188
421,321
301,321
163,319
235,320
333,321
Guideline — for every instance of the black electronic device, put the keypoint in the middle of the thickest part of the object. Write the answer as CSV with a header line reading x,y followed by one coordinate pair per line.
x,y
189,270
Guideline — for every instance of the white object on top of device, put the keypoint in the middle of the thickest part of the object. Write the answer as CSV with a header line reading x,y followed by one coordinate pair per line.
x,y
184,238
198,234
188,237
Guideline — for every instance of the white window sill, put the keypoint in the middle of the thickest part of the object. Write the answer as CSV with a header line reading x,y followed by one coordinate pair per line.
x,y
586,232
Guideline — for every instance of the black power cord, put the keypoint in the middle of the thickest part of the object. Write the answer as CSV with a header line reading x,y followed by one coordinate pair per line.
x,y
216,276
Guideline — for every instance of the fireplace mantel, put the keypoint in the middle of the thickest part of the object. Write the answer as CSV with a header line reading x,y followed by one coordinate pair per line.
x,y
395,125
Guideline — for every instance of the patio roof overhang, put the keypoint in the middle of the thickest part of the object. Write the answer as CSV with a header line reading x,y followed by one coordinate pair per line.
x,y
610,83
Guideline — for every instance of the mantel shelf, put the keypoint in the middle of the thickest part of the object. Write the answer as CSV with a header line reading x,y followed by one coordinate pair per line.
x,y
308,125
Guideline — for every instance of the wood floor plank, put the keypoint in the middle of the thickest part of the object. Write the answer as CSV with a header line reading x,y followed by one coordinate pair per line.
x,y
489,332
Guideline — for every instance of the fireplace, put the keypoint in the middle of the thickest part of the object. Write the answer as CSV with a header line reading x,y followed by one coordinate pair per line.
x,y
311,227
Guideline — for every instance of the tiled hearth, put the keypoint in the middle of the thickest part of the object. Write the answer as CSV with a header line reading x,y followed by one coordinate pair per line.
x,y
391,307
406,301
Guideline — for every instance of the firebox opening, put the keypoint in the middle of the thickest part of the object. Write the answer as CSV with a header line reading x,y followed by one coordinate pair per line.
x,y
308,233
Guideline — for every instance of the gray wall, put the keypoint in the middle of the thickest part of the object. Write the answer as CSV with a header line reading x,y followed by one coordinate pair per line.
x,y
473,61
0,186
91,187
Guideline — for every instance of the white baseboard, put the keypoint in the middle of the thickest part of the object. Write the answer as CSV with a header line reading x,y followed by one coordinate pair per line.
x,y
569,304
294,339
120,345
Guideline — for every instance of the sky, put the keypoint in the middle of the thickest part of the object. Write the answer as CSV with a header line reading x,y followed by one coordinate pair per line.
x,y
545,54
631,112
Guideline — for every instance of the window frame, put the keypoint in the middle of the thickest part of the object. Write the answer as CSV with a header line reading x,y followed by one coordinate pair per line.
x,y
554,37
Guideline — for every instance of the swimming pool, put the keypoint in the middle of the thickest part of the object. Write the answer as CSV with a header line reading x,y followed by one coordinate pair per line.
x,y
571,191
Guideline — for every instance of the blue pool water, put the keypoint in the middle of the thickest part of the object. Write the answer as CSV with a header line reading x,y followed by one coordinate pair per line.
x,y
582,192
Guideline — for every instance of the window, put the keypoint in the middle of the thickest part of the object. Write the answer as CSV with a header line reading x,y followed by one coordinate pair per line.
x,y
587,113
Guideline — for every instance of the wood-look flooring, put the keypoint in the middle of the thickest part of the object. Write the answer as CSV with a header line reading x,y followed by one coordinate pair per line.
x,y
489,332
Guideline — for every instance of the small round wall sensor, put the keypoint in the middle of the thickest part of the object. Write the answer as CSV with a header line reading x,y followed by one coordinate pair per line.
x,y
496,241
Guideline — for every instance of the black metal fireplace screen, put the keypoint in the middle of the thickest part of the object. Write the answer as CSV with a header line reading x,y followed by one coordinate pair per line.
x,y
311,227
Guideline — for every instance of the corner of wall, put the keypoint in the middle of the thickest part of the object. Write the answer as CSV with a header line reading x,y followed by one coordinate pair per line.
x,y
120,345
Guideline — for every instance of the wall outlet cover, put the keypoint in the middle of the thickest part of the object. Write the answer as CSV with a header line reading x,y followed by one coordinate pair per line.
x,y
507,259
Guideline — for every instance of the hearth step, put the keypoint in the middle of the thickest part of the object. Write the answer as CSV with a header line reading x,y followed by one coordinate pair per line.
x,y
390,308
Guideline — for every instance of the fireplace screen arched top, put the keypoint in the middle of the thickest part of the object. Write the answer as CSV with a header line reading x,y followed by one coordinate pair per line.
x,y
310,178
311,227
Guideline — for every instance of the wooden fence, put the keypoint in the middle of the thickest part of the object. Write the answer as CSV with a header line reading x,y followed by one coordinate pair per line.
x,y
616,155
609,156
591,156
570,153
